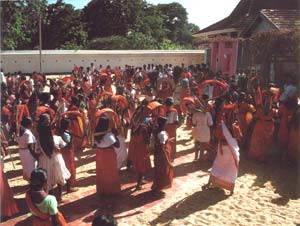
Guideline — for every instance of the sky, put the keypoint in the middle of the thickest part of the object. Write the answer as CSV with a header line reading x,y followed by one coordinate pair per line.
x,y
200,12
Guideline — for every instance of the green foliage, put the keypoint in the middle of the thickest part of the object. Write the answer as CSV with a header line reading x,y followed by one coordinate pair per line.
x,y
109,43
176,22
139,40
102,24
193,28
19,23
63,28
111,17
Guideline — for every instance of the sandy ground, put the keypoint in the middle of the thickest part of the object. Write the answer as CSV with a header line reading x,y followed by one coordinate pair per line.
x,y
265,194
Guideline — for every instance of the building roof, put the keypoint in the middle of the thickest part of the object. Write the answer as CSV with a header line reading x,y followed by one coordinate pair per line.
x,y
283,18
246,11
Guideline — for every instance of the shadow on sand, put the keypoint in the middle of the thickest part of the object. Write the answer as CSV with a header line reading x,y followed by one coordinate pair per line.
x,y
187,206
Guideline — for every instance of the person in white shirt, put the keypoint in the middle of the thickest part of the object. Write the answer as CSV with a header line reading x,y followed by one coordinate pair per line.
x,y
26,142
202,121
2,77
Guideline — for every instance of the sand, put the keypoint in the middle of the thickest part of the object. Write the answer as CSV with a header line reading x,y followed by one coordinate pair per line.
x,y
265,194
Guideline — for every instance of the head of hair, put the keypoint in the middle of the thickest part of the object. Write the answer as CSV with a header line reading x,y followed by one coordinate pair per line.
x,y
102,126
64,124
26,122
75,101
104,220
45,134
169,101
44,98
38,178
161,121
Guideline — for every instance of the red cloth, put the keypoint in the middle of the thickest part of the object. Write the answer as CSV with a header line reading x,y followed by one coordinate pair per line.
x,y
163,173
76,128
294,143
68,156
107,175
243,109
171,130
44,109
43,219
283,132
261,137
139,152
8,204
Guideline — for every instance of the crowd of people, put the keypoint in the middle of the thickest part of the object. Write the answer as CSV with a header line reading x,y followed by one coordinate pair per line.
x,y
54,119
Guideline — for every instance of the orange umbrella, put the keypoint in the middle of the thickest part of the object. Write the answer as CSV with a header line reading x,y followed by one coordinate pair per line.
x,y
68,79
113,116
185,101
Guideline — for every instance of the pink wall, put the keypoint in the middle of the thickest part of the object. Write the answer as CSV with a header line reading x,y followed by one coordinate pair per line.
x,y
224,57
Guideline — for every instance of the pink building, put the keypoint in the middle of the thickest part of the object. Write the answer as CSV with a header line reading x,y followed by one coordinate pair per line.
x,y
226,52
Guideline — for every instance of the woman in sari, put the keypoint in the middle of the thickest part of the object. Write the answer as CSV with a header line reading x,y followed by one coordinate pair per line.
x,y
225,167
163,168
41,205
107,175
51,158
68,153
262,135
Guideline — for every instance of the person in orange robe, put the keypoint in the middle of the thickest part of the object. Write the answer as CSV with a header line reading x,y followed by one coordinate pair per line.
x,y
68,153
107,175
283,132
262,135
293,153
8,204
139,151
243,111
171,125
76,126
163,168
44,106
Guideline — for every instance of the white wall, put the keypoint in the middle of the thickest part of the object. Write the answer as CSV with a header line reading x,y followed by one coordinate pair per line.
x,y
62,61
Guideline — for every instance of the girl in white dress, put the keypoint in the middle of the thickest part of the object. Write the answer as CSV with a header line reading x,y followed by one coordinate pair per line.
x,y
201,121
27,141
50,158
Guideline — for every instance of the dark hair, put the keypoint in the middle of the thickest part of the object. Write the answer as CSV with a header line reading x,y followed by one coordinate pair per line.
x,y
45,134
104,220
102,126
161,121
26,121
38,178
169,101
64,124
75,101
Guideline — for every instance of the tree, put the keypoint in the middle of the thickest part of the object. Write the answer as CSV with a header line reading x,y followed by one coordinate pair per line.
x,y
193,28
63,28
151,23
111,17
19,24
176,22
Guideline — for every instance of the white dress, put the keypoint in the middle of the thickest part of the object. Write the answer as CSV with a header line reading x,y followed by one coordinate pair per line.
x,y
225,167
201,131
28,162
55,166
121,152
